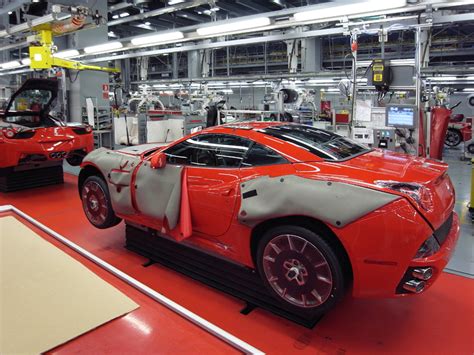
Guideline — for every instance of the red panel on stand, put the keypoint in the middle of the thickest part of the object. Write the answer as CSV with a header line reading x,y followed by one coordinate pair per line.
x,y
439,321
439,125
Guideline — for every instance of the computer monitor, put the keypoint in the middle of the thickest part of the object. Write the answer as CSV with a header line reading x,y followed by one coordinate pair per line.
x,y
400,116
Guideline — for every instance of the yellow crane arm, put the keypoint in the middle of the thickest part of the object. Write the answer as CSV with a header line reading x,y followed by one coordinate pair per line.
x,y
42,56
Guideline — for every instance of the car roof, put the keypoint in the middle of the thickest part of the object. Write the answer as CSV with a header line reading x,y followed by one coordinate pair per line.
x,y
244,125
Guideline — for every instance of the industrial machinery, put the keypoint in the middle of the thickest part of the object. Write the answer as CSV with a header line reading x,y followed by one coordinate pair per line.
x,y
384,138
381,75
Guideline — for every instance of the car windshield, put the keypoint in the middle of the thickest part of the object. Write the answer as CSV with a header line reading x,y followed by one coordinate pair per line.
x,y
324,144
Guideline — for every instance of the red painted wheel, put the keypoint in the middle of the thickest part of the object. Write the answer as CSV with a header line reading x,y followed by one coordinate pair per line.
x,y
96,203
300,268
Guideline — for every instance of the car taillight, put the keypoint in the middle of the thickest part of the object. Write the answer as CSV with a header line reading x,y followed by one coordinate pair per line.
x,y
417,192
428,248
9,132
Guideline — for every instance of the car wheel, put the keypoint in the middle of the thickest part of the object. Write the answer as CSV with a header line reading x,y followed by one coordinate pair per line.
x,y
453,137
96,203
470,148
300,268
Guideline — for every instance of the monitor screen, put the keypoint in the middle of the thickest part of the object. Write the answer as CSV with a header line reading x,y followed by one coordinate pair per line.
x,y
400,116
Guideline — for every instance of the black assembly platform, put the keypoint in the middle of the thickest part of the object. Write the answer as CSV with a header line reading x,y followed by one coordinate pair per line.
x,y
15,180
239,281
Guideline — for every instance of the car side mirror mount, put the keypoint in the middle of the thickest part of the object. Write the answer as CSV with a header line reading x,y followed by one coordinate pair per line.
x,y
158,160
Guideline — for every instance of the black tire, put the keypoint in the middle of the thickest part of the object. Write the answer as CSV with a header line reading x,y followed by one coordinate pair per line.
x,y
287,117
211,116
310,290
289,96
453,137
470,148
96,203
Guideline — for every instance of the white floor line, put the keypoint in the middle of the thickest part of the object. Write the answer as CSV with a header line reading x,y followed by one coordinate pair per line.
x,y
194,318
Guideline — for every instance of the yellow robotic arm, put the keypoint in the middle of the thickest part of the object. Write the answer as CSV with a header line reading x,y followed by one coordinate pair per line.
x,y
42,57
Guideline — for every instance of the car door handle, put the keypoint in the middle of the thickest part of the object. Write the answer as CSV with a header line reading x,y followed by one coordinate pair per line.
x,y
227,192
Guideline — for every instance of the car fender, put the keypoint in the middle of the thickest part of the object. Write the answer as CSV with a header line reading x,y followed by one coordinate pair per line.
x,y
335,203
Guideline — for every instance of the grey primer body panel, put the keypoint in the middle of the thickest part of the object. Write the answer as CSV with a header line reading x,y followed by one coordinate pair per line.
x,y
117,169
335,203
158,192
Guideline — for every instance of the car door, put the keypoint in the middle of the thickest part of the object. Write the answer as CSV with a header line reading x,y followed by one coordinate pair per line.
x,y
212,164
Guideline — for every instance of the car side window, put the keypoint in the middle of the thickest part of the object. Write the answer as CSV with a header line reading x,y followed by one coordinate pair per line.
x,y
260,155
210,150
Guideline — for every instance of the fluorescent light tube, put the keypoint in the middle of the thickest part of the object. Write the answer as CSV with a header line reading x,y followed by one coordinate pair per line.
x,y
26,61
104,47
348,9
442,78
158,38
10,65
174,2
124,14
67,53
234,26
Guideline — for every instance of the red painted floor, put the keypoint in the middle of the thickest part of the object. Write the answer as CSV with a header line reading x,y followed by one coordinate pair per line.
x,y
439,321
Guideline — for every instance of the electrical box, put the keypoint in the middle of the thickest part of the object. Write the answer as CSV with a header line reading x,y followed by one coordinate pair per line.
x,y
384,138
381,74
362,135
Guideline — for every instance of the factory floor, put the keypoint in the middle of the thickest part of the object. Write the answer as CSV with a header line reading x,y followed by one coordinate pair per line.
x,y
441,320
462,261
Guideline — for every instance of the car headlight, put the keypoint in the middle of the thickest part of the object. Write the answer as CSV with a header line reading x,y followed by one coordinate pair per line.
x,y
417,192
428,248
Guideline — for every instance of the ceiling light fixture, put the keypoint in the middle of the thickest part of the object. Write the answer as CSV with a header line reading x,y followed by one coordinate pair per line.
x,y
115,17
104,47
442,78
348,9
234,26
10,65
67,53
174,2
124,14
158,38
26,61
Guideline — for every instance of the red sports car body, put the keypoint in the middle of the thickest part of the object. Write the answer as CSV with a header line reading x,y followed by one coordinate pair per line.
x,y
310,210
30,136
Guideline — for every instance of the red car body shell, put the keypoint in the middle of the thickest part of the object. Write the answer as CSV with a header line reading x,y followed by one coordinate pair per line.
x,y
381,245
44,142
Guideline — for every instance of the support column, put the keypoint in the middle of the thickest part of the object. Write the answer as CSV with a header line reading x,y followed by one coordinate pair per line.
x,y
175,65
311,55
88,83
194,64
292,49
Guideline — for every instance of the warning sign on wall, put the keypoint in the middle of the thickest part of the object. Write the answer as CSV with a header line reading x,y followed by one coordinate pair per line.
x,y
105,91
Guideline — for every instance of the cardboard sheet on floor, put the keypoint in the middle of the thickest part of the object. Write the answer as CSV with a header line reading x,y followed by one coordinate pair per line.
x,y
46,296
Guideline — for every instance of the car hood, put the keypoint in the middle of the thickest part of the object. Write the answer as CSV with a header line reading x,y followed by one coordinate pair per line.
x,y
50,85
